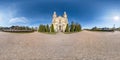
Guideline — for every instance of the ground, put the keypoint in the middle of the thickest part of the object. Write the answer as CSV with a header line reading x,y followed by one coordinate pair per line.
x,y
85,45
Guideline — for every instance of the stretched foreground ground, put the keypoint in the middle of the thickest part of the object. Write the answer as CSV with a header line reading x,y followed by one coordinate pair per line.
x,y
84,45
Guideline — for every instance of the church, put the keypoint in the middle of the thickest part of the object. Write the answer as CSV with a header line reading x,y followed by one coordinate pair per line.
x,y
60,22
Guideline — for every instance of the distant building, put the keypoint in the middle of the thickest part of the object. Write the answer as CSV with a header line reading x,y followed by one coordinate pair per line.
x,y
59,22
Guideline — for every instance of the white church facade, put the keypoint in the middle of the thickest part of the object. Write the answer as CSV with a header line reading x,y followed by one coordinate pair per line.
x,y
60,22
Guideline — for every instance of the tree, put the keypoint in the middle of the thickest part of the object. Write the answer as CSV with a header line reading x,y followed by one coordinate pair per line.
x,y
52,28
72,27
1,28
67,28
76,28
40,28
95,28
32,29
44,28
47,28
79,27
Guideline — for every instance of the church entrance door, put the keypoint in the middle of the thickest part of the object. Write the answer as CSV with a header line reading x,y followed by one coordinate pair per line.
x,y
60,28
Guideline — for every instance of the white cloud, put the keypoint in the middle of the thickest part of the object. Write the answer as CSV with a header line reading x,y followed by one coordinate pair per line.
x,y
19,20
7,17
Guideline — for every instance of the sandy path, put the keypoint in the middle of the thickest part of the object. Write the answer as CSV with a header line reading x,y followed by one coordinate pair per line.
x,y
84,45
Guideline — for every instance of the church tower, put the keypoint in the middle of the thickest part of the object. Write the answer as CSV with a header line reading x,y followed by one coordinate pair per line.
x,y
54,16
65,15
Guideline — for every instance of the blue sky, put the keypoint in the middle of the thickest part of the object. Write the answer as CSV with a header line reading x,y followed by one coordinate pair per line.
x,y
88,13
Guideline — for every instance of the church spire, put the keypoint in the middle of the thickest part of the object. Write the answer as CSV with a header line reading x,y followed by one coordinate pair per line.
x,y
54,12
65,15
64,12
54,15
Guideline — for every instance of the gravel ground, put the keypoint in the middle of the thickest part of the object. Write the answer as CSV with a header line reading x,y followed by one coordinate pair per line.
x,y
84,45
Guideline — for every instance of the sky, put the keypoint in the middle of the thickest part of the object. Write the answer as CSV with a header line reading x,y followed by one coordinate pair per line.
x,y
88,13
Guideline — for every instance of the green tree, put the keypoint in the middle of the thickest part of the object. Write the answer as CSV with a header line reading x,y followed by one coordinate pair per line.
x,y
72,27
67,28
79,27
95,28
32,29
52,28
40,28
76,28
47,28
44,28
